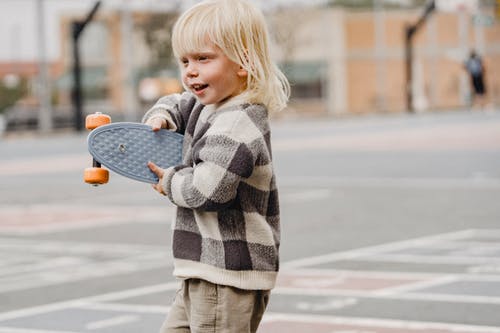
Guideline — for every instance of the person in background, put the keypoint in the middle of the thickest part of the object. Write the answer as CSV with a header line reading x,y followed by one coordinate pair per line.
x,y
475,68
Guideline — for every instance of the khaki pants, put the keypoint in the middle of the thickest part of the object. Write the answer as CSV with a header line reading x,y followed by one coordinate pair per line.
x,y
201,306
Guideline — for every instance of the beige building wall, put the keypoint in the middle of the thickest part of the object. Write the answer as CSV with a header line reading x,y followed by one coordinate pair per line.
x,y
364,61
364,76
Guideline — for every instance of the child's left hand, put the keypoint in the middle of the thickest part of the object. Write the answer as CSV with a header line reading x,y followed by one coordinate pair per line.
x,y
159,172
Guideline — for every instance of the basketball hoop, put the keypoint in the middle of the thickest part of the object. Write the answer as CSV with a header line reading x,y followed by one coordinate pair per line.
x,y
458,6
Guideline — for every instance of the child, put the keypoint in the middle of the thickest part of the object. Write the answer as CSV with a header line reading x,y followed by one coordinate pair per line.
x,y
226,234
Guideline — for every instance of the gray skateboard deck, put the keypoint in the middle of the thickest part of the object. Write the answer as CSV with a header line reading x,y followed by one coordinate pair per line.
x,y
126,148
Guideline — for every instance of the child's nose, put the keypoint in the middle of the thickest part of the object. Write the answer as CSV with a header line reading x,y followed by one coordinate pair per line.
x,y
191,70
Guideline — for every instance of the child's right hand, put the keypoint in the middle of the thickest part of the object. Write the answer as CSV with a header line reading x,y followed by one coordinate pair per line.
x,y
156,123
160,173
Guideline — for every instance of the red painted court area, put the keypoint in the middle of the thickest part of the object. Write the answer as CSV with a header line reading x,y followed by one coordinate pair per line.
x,y
37,219
345,281
459,290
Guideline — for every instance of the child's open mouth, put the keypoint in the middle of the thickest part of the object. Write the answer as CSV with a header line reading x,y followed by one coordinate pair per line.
x,y
198,87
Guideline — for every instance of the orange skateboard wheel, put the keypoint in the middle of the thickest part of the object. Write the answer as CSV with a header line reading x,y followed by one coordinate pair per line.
x,y
96,119
96,176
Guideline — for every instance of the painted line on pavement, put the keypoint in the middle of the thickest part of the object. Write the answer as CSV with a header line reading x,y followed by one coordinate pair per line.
x,y
417,285
110,322
4,329
57,262
424,297
122,307
377,249
393,182
84,302
379,323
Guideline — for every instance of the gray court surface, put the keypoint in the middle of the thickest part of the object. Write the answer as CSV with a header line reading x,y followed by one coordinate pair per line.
x,y
390,223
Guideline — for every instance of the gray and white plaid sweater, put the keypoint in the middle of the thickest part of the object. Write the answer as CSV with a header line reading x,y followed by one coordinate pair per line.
x,y
227,228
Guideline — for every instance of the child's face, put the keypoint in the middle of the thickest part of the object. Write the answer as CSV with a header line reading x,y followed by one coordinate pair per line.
x,y
211,76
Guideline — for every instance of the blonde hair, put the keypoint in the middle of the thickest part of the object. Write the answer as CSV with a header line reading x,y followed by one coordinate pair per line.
x,y
239,30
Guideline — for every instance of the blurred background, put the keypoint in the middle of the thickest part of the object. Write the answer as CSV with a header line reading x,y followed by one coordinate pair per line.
x,y
61,59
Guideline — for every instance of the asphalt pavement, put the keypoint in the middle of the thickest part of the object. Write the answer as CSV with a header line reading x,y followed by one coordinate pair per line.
x,y
390,223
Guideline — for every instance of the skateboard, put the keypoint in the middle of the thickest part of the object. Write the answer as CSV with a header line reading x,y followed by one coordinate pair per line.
x,y
126,148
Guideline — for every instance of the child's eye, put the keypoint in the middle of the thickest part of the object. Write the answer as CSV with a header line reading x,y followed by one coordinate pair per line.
x,y
184,61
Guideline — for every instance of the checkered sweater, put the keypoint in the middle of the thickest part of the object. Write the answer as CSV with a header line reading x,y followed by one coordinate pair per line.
x,y
226,229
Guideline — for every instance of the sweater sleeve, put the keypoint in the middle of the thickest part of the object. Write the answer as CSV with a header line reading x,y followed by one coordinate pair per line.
x,y
221,160
175,109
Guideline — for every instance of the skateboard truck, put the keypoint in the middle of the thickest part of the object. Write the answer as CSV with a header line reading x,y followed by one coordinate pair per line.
x,y
96,175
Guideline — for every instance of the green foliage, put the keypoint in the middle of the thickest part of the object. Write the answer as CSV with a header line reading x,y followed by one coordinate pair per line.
x,y
10,95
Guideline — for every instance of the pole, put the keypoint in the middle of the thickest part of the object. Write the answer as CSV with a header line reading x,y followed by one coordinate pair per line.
x,y
129,99
410,32
76,93
43,82
77,96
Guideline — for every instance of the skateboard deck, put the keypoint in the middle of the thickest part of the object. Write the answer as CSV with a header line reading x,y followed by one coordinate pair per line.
x,y
126,148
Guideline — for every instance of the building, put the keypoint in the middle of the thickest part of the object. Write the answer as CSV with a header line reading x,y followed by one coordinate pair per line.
x,y
358,58
339,61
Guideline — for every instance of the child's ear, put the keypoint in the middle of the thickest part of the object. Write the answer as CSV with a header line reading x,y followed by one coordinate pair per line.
x,y
242,72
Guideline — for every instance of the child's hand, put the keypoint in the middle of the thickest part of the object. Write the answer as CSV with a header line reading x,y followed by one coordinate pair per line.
x,y
157,123
159,172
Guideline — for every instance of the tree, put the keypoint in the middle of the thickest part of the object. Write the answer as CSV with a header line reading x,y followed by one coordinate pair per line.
x,y
11,93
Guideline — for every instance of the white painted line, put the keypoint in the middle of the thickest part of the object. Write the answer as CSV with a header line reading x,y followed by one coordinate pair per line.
x,y
436,297
391,182
482,269
87,271
38,310
134,292
35,265
86,300
49,228
416,286
373,322
23,330
119,307
485,248
487,233
49,261
360,273
427,259
325,292
49,246
333,304
404,290
375,250
114,321
416,296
